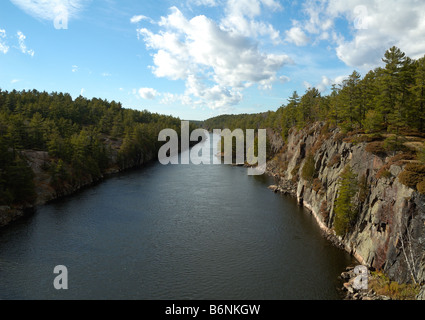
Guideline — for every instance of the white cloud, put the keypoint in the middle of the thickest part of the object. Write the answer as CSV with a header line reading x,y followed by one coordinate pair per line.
x,y
51,9
215,63
75,68
169,98
82,92
4,48
241,18
324,84
106,74
296,35
23,46
339,80
139,18
14,81
375,26
148,93
327,82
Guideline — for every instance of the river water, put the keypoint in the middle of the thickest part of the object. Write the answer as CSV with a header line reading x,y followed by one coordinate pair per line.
x,y
172,232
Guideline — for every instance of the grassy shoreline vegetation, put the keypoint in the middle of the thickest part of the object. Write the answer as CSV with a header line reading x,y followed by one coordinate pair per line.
x,y
83,138
382,285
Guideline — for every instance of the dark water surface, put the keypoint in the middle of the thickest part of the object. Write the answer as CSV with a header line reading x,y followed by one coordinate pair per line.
x,y
172,232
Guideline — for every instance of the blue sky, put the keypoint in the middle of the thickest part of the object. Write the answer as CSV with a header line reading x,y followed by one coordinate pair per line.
x,y
197,59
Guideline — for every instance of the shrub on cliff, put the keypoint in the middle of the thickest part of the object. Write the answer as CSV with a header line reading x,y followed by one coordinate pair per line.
x,y
413,176
345,209
295,173
421,186
383,286
377,148
394,144
309,169
317,185
335,160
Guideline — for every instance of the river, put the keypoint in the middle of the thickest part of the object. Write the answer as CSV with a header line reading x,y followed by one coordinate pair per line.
x,y
206,232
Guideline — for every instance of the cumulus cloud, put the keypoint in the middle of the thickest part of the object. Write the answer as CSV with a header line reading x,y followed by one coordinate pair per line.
x,y
148,93
4,48
215,63
241,18
23,46
375,27
297,35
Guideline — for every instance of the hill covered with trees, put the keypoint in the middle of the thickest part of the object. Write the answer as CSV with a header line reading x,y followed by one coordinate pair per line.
x,y
80,139
382,108
390,99
356,159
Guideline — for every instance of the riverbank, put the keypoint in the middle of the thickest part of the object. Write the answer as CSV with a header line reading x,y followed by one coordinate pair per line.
x,y
388,234
172,232
48,190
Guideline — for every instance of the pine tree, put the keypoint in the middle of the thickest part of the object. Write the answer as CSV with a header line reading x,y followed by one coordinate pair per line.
x,y
418,92
350,99
293,104
392,99
308,108
334,106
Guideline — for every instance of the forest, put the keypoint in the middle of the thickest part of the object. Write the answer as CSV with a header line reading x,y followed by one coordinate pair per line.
x,y
382,108
389,99
79,136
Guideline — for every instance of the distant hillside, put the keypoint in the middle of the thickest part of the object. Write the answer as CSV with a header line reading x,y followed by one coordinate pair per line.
x,y
389,99
52,145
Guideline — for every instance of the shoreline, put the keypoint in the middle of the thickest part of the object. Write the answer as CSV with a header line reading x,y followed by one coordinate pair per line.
x,y
13,213
47,194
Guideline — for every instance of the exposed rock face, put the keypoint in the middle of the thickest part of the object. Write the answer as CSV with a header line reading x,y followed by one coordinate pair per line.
x,y
37,160
43,187
391,216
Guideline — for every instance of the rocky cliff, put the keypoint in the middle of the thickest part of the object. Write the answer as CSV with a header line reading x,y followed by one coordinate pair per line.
x,y
389,232
46,191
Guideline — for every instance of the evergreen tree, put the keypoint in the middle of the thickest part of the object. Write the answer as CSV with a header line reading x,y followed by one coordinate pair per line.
x,y
334,115
417,114
350,100
345,209
392,99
